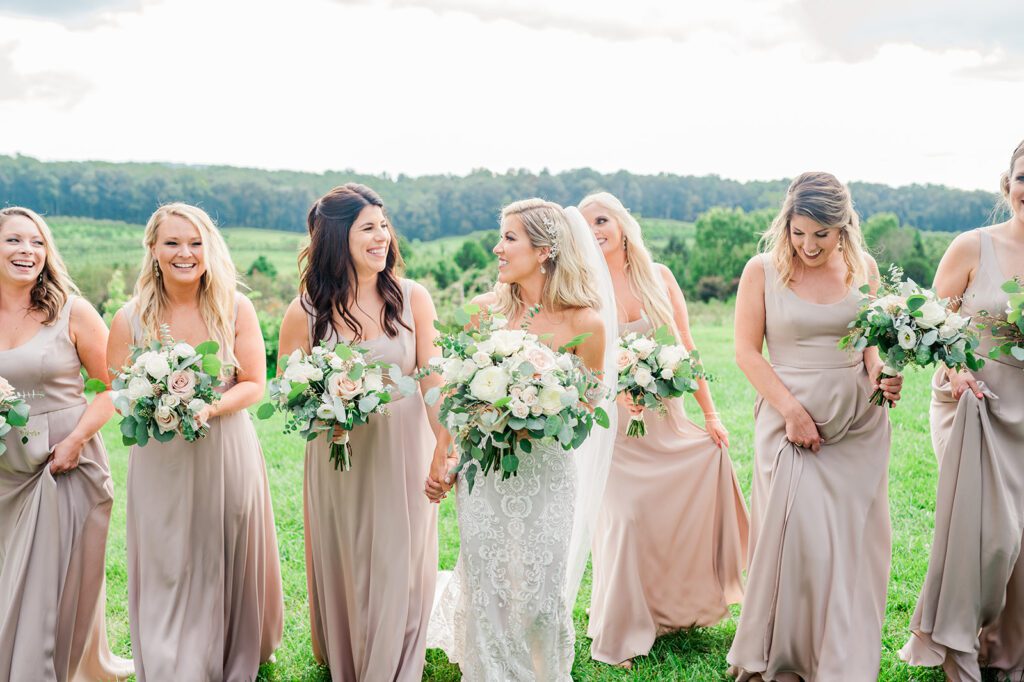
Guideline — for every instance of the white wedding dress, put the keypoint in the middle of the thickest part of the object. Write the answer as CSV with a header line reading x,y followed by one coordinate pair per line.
x,y
505,613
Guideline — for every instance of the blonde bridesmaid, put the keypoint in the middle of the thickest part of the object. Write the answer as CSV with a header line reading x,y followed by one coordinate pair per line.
x,y
55,490
671,539
971,610
204,582
371,534
820,535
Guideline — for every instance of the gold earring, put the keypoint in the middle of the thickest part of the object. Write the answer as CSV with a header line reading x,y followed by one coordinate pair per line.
x,y
156,270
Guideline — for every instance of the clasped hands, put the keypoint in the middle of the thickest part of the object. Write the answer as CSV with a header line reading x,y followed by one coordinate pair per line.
x,y
440,479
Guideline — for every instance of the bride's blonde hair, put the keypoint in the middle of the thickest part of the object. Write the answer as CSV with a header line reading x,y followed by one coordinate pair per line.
x,y
822,198
644,282
217,286
567,284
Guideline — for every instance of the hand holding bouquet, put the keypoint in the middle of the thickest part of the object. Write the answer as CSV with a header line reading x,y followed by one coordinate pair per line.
x,y
13,413
652,369
503,389
164,387
333,387
910,326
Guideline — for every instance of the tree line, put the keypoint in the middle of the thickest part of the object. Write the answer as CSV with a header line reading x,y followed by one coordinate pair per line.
x,y
432,206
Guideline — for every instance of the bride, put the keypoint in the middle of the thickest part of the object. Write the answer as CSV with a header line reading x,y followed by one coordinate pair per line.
x,y
506,612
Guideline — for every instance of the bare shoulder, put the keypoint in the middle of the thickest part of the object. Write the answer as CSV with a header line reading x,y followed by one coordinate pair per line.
x,y
966,245
585,320
82,312
244,303
417,292
871,265
666,276
486,299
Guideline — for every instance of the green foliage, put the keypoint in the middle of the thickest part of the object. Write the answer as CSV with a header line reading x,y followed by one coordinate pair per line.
x,y
893,244
262,264
471,255
117,296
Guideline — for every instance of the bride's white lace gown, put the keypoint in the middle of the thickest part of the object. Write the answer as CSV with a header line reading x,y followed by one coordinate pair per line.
x,y
503,615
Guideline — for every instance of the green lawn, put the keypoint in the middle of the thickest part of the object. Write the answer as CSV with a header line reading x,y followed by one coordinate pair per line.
x,y
695,655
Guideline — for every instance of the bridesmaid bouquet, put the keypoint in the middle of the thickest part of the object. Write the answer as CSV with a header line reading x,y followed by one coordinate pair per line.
x,y
503,389
1008,329
333,387
163,388
13,413
653,368
910,326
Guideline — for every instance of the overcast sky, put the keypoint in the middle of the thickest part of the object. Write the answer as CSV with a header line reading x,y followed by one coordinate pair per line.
x,y
894,91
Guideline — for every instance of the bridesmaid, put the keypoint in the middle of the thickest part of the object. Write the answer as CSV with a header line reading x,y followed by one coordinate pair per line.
x,y
671,539
204,583
975,579
371,535
55,490
820,536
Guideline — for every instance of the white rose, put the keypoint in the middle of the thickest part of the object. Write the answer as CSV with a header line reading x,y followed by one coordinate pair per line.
x,y
906,337
485,346
468,370
540,357
373,381
947,331
335,362
520,409
182,350
196,406
319,350
671,356
169,400
481,359
139,387
302,373
550,399
535,409
644,346
489,384
157,366
667,373
6,390
643,377
325,411
891,303
564,362
507,341
957,321
530,395
932,314
499,322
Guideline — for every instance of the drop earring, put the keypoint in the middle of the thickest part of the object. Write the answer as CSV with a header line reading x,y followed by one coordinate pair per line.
x,y
156,270
542,270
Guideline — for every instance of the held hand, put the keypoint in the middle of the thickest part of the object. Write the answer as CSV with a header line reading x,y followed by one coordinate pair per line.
x,y
439,480
801,430
205,415
961,382
716,430
65,455
891,388
339,435
635,409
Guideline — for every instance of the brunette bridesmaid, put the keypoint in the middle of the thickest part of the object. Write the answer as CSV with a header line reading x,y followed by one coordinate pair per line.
x,y
55,490
371,534
975,579
671,540
204,582
820,535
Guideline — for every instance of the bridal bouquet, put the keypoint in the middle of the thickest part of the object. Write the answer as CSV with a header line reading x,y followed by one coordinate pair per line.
x,y
503,389
13,413
910,326
1008,329
333,387
653,368
164,387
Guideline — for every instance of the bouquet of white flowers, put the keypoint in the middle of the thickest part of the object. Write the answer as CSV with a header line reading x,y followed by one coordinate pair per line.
x,y
164,387
1007,329
332,387
653,368
503,389
13,413
910,326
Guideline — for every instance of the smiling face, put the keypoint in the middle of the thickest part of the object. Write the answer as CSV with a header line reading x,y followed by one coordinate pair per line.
x,y
1016,194
369,239
22,249
179,251
605,226
518,259
814,244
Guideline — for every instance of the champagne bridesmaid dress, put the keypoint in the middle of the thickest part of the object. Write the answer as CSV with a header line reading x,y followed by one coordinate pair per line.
x,y
53,531
204,580
371,534
671,539
820,536
975,579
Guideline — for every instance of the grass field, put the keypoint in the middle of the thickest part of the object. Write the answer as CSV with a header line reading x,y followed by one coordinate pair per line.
x,y
694,655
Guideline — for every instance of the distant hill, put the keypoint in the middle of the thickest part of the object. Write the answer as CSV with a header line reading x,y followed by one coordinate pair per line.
x,y
431,206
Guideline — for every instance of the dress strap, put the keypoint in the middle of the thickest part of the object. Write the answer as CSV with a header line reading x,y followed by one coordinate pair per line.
x,y
407,315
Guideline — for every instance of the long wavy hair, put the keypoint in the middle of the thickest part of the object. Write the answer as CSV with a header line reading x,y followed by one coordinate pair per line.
x,y
54,286
328,281
822,198
567,284
217,285
1006,177
645,284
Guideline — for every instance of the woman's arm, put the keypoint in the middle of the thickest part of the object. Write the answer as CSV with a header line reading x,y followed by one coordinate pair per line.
x,y
88,333
294,334
251,372
712,423
749,333
955,273
891,387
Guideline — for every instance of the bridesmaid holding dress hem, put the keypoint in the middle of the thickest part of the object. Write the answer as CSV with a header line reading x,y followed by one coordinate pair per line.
x,y
205,600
